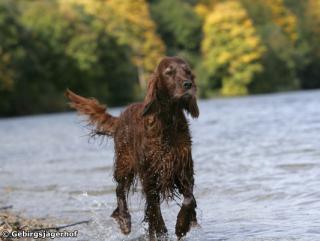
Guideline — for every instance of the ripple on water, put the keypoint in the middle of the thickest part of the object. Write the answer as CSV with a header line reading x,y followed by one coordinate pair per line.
x,y
295,167
256,163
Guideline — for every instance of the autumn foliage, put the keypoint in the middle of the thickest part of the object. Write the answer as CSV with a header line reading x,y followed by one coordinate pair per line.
x,y
108,48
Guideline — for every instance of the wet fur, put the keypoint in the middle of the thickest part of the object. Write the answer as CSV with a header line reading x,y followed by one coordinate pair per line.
x,y
153,144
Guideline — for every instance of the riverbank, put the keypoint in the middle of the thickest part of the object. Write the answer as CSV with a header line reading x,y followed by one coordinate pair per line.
x,y
11,222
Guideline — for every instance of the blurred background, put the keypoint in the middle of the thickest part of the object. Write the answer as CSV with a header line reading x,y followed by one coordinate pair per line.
x,y
256,156
107,49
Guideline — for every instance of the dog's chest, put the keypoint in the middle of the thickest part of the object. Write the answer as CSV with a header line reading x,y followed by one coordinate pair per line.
x,y
165,138
167,144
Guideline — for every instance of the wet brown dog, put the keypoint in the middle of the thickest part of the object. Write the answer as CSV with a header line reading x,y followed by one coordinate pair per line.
x,y
152,143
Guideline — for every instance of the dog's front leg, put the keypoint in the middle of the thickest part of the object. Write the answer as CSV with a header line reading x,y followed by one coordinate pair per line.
x,y
187,216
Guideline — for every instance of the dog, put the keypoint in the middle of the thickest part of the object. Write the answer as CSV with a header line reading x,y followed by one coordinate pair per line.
x,y
153,144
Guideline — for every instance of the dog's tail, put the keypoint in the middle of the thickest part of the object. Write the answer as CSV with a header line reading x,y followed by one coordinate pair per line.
x,y
104,123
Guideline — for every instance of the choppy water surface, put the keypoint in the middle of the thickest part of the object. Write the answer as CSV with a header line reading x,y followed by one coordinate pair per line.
x,y
257,162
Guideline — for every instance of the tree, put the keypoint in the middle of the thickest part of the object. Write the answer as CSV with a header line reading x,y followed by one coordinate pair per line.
x,y
10,51
277,27
76,52
232,50
130,23
9,44
283,17
179,26
310,32
99,61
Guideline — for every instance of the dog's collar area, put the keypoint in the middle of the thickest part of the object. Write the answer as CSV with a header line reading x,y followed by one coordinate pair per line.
x,y
187,200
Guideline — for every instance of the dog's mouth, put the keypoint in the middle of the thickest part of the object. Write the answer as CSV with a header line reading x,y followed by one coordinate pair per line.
x,y
185,99
186,96
189,103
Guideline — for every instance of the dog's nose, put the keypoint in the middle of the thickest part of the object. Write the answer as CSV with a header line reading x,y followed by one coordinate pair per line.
x,y
187,84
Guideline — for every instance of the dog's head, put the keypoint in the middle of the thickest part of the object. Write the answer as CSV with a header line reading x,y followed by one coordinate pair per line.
x,y
172,82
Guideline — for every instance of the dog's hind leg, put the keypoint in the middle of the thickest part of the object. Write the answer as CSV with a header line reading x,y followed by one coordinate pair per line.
x,y
121,213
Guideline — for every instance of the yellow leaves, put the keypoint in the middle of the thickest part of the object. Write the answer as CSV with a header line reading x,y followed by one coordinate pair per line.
x,y
135,12
133,25
313,16
250,57
224,10
313,8
231,47
231,89
284,18
224,57
312,25
253,41
130,22
202,10
154,49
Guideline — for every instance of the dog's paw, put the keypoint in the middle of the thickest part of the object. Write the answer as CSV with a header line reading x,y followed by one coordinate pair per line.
x,y
186,218
124,221
194,221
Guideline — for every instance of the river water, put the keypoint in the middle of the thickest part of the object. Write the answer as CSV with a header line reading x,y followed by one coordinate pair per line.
x,y
257,163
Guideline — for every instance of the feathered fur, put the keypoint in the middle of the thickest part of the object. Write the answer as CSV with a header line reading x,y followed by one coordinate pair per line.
x,y
103,122
152,143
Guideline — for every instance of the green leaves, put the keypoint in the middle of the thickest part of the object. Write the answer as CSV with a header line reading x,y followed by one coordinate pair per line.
x,y
65,47
108,49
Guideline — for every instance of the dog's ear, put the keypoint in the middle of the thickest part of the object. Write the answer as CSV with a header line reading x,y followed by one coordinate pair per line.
x,y
192,108
151,96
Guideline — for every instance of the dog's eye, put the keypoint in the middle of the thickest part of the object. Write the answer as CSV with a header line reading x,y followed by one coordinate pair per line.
x,y
169,71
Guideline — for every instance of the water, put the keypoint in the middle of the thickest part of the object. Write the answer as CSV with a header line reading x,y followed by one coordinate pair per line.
x,y
257,162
